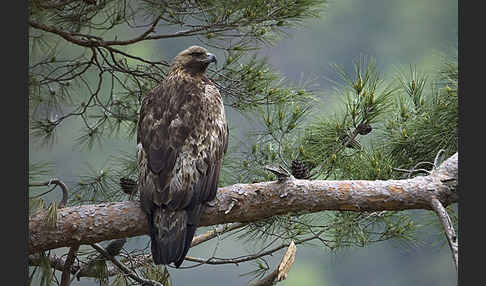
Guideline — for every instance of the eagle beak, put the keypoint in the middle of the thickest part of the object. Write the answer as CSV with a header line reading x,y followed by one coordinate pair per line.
x,y
211,58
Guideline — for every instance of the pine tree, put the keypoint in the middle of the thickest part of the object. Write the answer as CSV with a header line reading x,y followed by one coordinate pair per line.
x,y
81,68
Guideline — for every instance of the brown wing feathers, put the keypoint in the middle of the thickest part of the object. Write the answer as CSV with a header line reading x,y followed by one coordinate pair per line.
x,y
183,133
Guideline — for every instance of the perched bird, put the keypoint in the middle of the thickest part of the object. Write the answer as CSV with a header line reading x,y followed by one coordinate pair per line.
x,y
182,136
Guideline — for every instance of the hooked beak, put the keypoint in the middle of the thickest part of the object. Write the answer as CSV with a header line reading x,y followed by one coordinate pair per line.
x,y
211,58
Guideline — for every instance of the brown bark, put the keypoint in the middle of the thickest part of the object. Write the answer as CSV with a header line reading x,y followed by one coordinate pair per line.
x,y
249,202
282,270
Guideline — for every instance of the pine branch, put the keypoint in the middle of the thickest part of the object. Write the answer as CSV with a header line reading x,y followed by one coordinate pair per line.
x,y
123,268
213,233
56,182
137,261
89,224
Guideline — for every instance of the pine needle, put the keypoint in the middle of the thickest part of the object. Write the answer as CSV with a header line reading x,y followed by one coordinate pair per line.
x,y
51,217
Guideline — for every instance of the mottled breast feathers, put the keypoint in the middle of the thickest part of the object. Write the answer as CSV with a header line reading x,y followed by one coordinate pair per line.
x,y
182,136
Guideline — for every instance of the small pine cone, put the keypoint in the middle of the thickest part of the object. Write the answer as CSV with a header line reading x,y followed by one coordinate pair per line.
x,y
299,169
128,186
364,128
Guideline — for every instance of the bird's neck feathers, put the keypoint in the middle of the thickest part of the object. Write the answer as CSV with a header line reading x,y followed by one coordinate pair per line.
x,y
196,71
184,75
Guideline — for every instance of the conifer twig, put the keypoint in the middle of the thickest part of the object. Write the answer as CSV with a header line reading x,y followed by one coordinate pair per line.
x,y
65,277
124,268
57,182
237,260
351,138
216,232
113,249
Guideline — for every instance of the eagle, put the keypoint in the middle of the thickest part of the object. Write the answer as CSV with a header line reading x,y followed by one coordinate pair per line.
x,y
182,136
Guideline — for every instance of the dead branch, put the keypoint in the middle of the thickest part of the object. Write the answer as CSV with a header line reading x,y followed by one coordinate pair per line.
x,y
282,270
450,233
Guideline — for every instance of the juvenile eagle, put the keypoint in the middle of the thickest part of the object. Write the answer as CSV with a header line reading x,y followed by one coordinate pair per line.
x,y
182,136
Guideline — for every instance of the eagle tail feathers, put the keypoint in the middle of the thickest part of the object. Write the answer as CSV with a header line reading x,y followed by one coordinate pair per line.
x,y
190,231
171,234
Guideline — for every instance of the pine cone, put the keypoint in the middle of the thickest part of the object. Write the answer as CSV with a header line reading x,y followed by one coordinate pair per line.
x,y
364,129
128,186
299,169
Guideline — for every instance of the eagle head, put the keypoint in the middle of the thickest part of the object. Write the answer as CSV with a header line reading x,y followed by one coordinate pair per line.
x,y
194,59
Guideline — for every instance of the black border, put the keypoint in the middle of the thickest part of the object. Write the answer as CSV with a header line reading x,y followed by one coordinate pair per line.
x,y
472,84
14,208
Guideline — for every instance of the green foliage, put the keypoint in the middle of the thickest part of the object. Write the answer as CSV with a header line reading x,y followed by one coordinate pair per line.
x,y
98,185
46,271
283,227
324,137
330,146
362,229
94,80
51,217
371,163
260,267
275,140
366,99
423,123
157,273
35,204
366,95
82,69
119,280
100,268
255,84
37,172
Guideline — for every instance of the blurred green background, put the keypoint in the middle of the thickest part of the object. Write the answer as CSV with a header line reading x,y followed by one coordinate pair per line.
x,y
394,33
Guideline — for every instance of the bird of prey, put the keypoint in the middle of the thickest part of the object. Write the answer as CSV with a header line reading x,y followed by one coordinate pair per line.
x,y
182,136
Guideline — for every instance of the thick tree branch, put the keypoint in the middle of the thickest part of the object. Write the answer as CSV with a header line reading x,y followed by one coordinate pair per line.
x,y
89,224
91,41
